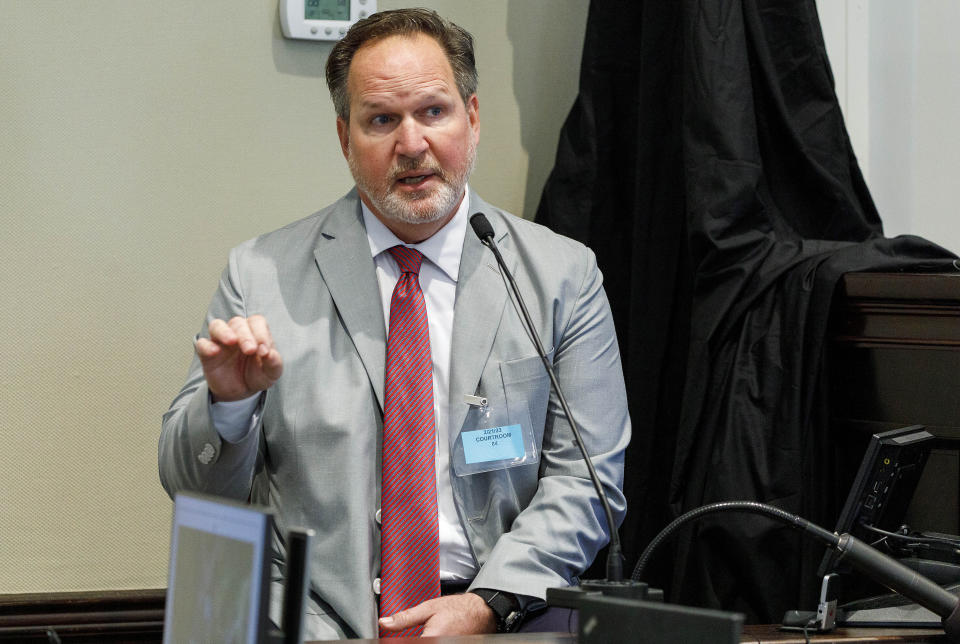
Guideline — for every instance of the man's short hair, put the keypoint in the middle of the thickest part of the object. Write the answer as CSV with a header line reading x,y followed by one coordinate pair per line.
x,y
456,42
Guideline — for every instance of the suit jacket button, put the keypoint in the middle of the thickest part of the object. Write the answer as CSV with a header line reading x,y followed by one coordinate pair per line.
x,y
376,586
206,454
377,516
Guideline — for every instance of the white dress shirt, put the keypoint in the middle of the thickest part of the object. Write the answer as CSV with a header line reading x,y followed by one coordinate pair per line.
x,y
438,281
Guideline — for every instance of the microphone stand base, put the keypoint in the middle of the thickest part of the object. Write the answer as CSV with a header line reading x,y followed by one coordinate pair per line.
x,y
572,596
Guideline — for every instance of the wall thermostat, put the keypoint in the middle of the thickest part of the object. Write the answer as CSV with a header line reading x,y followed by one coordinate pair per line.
x,y
322,19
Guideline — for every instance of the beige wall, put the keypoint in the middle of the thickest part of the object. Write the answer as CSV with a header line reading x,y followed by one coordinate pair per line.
x,y
895,65
139,141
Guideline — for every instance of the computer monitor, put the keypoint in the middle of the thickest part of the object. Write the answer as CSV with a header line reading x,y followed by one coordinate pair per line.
x,y
219,579
883,487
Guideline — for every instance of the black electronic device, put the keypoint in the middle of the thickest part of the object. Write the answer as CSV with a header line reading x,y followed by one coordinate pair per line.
x,y
296,583
614,619
874,512
884,485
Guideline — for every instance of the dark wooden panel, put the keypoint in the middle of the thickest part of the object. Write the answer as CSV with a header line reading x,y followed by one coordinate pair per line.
x,y
894,351
902,287
113,617
898,384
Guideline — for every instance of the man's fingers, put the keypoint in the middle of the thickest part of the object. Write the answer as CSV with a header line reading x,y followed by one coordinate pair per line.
x,y
268,369
206,348
250,335
239,357
221,333
245,338
407,618
273,364
260,332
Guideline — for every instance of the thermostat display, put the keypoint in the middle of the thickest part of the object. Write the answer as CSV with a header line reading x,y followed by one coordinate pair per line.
x,y
322,19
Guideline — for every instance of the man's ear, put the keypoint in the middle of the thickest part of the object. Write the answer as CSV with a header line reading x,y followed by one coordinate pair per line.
x,y
343,133
473,116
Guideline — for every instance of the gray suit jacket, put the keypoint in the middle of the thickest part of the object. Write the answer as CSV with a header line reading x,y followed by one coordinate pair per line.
x,y
315,456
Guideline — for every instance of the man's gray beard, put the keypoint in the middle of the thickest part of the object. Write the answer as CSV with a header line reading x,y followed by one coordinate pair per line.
x,y
415,208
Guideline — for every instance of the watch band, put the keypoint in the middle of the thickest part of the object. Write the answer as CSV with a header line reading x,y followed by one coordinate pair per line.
x,y
505,606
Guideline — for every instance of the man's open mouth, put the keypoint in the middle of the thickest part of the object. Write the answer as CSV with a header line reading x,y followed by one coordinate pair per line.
x,y
414,179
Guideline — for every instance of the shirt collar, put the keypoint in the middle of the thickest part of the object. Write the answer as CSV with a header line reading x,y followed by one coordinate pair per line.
x,y
443,248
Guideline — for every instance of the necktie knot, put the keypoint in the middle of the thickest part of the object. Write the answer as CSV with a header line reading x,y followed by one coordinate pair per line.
x,y
408,259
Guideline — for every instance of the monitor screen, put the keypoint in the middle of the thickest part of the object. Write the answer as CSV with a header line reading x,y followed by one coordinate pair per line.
x,y
218,587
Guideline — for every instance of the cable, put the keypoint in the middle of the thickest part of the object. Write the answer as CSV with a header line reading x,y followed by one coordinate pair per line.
x,y
806,627
878,542
751,507
911,539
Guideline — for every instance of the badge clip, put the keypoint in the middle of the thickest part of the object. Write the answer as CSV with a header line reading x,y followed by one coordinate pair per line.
x,y
475,401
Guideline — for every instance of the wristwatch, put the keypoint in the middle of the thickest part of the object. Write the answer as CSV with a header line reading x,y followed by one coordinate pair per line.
x,y
505,606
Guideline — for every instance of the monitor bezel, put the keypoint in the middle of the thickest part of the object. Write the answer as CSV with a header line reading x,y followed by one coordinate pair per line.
x,y
260,526
849,519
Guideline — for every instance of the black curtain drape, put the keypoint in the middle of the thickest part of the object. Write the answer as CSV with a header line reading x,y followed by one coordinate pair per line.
x,y
707,164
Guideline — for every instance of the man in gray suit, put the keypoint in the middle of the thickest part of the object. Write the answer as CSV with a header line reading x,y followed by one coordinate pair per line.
x,y
311,301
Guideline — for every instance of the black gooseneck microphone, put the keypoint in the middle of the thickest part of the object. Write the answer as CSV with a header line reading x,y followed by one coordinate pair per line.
x,y
871,562
484,231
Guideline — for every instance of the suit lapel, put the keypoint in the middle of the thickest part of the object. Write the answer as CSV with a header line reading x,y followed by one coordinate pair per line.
x,y
481,295
343,257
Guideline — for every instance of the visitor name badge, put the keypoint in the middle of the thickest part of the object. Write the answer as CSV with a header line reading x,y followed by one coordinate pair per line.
x,y
494,444
491,438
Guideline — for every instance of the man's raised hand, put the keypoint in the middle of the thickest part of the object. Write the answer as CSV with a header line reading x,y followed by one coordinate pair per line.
x,y
239,358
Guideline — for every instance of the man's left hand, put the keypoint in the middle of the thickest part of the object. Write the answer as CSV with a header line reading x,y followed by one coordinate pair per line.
x,y
448,615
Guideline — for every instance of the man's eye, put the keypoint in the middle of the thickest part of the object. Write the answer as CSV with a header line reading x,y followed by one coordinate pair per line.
x,y
434,111
380,119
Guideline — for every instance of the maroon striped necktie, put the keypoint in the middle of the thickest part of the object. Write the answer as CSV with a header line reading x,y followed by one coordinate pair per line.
x,y
409,539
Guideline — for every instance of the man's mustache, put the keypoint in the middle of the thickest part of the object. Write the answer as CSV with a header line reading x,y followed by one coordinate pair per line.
x,y
416,165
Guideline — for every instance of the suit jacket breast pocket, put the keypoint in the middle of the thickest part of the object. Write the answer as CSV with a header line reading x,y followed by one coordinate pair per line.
x,y
526,387
491,500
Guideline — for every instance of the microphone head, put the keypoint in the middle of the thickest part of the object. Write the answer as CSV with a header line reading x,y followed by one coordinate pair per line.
x,y
481,226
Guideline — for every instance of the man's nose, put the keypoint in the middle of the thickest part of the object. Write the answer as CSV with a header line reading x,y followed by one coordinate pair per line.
x,y
411,141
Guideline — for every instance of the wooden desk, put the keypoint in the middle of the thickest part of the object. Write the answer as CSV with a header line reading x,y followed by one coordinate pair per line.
x,y
763,634
513,638
752,634
137,616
